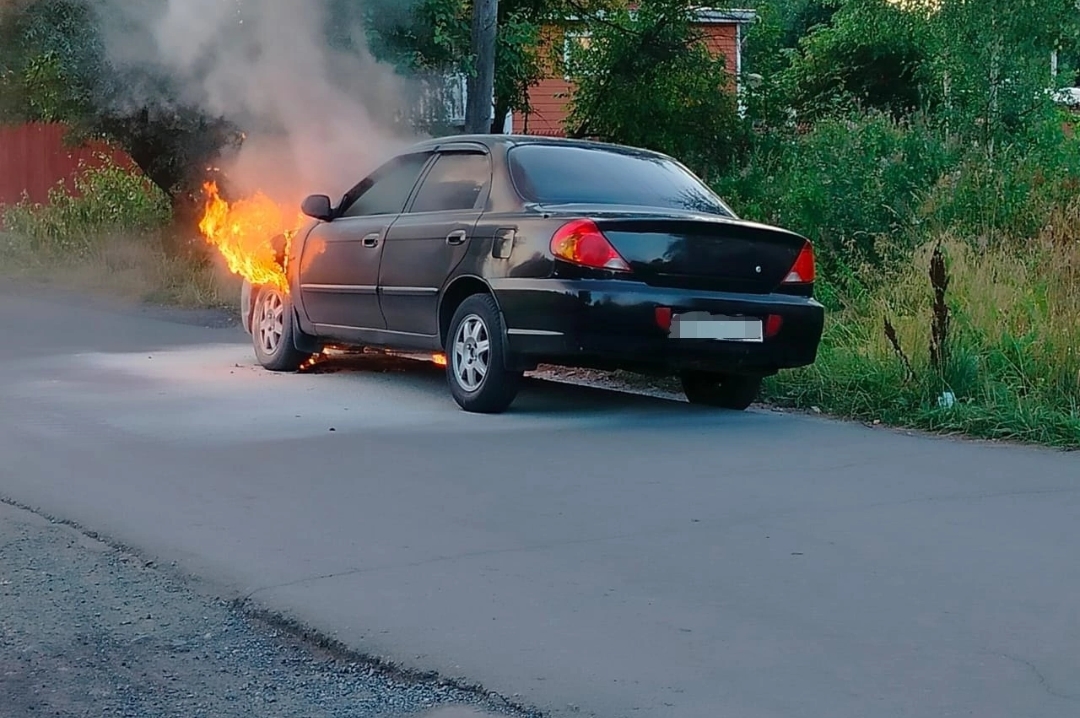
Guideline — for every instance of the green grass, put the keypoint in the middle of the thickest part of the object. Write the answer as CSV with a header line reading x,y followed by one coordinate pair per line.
x,y
115,238
1014,349
139,269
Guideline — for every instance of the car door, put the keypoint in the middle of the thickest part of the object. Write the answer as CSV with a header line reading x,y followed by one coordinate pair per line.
x,y
339,264
431,238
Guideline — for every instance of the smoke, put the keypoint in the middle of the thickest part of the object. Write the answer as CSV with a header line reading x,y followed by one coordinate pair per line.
x,y
316,118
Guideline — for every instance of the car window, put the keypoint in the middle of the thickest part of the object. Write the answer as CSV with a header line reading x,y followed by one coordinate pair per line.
x,y
456,182
550,174
389,188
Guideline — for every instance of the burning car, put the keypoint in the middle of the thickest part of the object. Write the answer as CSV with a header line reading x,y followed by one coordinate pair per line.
x,y
506,252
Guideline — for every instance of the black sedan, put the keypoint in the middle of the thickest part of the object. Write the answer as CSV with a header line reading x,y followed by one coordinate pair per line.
x,y
506,252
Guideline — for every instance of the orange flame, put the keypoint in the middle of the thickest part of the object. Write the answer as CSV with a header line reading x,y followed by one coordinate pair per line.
x,y
244,232
316,359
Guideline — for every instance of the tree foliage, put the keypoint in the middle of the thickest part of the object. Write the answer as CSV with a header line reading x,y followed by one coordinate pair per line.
x,y
49,63
983,66
648,79
872,53
436,35
53,68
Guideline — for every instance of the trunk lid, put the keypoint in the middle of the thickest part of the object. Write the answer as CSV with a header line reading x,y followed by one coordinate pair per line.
x,y
696,251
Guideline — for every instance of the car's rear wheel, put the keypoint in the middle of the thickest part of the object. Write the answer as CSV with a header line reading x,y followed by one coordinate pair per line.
x,y
475,366
724,391
272,331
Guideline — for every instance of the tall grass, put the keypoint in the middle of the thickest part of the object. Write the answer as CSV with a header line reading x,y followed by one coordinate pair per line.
x,y
112,235
1013,362
107,199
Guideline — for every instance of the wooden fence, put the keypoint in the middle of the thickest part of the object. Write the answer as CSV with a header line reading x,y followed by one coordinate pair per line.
x,y
34,158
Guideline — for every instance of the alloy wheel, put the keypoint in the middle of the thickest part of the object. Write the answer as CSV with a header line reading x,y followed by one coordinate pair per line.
x,y
271,322
471,353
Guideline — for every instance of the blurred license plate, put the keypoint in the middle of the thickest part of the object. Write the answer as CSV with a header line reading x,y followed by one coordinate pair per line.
x,y
709,326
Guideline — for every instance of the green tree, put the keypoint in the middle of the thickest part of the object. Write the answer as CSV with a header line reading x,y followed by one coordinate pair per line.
x,y
53,68
981,65
648,79
432,36
991,62
49,62
419,36
872,53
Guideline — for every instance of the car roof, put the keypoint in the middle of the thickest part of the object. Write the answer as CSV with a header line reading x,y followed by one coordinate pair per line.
x,y
494,141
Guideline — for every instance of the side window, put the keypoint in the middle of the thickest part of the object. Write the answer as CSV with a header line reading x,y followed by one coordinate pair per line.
x,y
456,182
392,185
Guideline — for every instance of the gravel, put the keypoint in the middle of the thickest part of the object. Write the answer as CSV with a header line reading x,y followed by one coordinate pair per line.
x,y
90,630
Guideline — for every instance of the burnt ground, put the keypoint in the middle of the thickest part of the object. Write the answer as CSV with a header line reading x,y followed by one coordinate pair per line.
x,y
89,630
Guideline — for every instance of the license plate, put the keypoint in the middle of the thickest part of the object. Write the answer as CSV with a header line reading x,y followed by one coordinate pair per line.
x,y
700,325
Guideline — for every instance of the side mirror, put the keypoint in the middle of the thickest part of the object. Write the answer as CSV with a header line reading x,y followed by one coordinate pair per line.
x,y
317,206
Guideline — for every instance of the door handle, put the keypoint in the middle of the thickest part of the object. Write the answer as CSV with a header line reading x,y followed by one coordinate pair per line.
x,y
458,237
371,241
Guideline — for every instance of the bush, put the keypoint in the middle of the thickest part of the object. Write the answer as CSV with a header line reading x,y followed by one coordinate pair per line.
x,y
1009,194
854,186
107,200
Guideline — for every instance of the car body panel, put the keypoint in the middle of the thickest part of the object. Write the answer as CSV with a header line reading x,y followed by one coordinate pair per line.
x,y
417,260
432,237
592,321
340,276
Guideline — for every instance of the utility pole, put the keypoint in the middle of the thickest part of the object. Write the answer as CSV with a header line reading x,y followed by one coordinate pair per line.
x,y
478,111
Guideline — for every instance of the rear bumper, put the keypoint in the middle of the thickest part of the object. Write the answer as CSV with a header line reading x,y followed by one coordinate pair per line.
x,y
615,323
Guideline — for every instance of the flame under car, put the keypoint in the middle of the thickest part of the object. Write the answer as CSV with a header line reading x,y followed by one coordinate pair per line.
x,y
506,252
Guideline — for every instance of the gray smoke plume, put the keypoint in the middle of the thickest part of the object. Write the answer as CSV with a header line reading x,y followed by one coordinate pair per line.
x,y
316,119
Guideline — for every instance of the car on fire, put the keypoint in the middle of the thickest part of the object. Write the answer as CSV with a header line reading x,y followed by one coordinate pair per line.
x,y
506,252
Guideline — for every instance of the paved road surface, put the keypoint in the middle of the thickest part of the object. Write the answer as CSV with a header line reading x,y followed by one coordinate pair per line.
x,y
88,630
598,554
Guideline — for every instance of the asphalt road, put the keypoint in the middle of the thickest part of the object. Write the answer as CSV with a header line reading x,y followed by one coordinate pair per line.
x,y
91,630
591,552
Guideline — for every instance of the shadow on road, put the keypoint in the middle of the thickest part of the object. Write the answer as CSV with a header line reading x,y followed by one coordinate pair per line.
x,y
538,395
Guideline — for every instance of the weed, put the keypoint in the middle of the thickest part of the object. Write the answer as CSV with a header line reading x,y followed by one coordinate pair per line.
x,y
112,234
107,199
1011,322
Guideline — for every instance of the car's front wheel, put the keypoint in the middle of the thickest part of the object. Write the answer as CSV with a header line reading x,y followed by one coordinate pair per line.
x,y
272,331
724,391
475,365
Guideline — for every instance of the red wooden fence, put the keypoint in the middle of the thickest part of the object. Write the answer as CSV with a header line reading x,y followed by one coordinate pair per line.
x,y
34,158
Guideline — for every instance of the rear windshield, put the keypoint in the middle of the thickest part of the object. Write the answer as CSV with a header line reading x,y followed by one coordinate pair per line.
x,y
550,174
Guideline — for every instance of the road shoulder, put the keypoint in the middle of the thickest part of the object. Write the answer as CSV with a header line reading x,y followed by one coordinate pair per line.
x,y
89,629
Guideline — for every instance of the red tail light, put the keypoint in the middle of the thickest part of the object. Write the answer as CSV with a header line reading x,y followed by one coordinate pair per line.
x,y
581,242
802,272
663,318
773,324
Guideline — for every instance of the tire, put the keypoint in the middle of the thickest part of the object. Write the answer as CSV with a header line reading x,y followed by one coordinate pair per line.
x,y
475,358
731,391
273,331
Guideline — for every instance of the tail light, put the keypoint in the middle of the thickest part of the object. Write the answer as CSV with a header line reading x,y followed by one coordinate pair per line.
x,y
802,272
773,324
581,242
664,315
